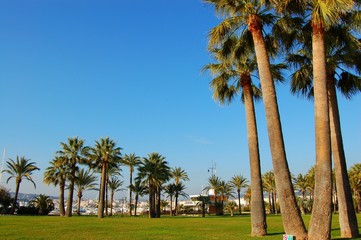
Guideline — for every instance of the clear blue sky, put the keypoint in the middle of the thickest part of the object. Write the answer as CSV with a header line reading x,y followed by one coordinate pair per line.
x,y
130,70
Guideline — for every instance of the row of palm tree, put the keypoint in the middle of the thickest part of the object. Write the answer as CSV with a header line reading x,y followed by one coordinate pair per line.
x,y
292,26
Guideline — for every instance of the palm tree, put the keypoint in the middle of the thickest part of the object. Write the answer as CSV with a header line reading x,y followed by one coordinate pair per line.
x,y
139,189
105,152
231,206
21,169
131,161
73,153
178,174
342,55
213,187
269,186
155,171
203,200
355,181
84,180
179,191
56,174
114,185
170,191
112,171
301,183
238,182
254,15
43,203
225,191
322,15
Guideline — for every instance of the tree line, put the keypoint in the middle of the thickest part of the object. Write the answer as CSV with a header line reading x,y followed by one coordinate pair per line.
x,y
317,41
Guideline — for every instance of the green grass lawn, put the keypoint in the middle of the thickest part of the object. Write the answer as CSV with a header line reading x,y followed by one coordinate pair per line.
x,y
116,227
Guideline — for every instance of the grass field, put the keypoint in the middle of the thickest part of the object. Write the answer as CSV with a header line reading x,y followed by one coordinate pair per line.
x,y
116,227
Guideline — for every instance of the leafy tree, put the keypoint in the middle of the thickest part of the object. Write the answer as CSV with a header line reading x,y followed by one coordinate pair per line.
x,y
104,152
203,201
238,182
269,186
56,174
214,184
355,181
5,200
179,191
43,204
139,189
72,153
231,206
84,180
170,191
21,169
131,161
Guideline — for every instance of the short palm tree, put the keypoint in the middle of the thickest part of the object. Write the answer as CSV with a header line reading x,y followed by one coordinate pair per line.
x,y
178,174
355,180
131,161
179,191
139,189
170,191
231,206
238,182
43,203
269,186
114,185
214,186
104,152
155,171
84,180
56,174
20,169
72,153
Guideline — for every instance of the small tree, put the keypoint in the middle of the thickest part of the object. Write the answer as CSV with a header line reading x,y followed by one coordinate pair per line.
x,y
43,204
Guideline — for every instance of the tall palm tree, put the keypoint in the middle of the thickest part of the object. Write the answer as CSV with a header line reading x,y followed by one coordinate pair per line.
x,y
254,15
104,152
73,153
114,185
214,183
21,169
321,15
84,180
238,182
179,191
155,171
178,174
225,191
43,203
342,51
56,174
131,161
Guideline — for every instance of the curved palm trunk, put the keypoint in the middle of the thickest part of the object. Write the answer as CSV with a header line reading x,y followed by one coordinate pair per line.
x,y
130,191
102,192
61,199
80,195
258,215
16,196
291,216
347,215
320,224
69,204
135,204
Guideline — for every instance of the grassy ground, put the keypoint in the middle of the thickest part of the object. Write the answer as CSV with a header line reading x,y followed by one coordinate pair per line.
x,y
116,227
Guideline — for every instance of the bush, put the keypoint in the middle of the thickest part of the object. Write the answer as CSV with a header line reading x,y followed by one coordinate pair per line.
x,y
27,211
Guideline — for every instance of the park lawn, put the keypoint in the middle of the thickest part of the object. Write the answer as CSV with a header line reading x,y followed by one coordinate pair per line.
x,y
116,227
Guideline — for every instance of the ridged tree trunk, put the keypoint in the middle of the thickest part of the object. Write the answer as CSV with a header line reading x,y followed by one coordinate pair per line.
x,y
291,216
135,204
102,191
80,195
130,191
171,205
16,196
347,214
157,204
239,201
320,224
69,204
111,202
258,215
176,204
151,200
106,196
61,199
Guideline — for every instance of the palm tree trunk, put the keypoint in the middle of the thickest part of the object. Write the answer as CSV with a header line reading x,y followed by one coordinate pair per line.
x,y
258,215
151,200
239,202
171,205
320,224
176,205
291,216
106,195
69,204
130,191
61,199
102,192
135,204
347,215
111,203
275,202
16,196
158,200
79,201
